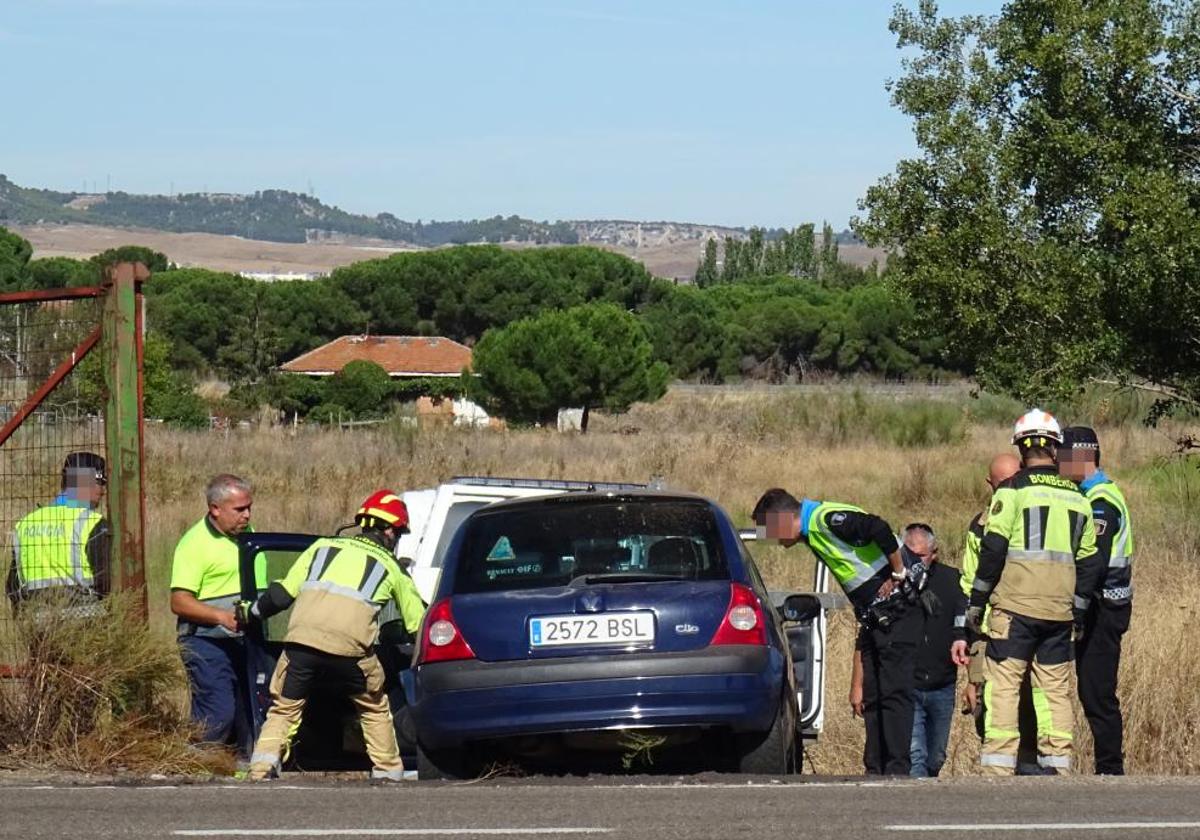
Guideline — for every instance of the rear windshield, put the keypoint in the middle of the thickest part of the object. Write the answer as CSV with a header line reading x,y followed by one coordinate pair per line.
x,y
552,544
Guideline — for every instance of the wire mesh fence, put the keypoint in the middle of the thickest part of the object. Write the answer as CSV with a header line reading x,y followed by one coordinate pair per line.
x,y
36,338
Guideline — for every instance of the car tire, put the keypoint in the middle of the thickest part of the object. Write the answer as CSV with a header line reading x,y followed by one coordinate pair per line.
x,y
406,731
772,753
440,764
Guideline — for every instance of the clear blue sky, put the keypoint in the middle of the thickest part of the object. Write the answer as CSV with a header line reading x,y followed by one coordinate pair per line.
x,y
766,112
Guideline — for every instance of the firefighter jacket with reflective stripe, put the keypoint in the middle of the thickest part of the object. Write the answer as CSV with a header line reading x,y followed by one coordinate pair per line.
x,y
50,546
1038,554
340,584
206,564
1114,537
854,544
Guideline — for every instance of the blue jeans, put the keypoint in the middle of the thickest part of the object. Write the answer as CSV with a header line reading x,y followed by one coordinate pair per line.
x,y
933,712
216,671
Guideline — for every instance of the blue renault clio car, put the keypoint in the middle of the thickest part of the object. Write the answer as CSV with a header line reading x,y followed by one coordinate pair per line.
x,y
600,626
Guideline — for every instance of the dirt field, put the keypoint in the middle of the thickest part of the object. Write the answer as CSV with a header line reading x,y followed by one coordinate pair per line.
x,y
207,250
252,256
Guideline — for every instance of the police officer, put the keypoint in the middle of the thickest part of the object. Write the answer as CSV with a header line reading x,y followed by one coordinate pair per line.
x,y
1098,650
205,588
1002,467
1037,568
862,553
63,548
338,586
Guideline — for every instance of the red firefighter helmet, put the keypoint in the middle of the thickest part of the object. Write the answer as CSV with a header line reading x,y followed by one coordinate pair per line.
x,y
383,509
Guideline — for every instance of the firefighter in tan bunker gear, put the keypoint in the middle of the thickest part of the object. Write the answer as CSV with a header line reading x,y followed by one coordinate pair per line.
x,y
338,586
1037,570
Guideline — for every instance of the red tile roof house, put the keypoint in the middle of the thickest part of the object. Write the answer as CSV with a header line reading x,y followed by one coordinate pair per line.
x,y
401,356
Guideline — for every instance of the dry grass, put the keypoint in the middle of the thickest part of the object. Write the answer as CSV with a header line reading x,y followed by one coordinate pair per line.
x,y
96,694
731,447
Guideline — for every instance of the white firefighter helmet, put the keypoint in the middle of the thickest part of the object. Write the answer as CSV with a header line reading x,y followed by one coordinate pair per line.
x,y
1036,428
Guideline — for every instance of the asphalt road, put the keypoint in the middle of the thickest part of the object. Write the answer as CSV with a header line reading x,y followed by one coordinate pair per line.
x,y
654,808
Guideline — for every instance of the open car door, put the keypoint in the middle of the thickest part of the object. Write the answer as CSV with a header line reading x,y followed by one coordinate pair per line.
x,y
330,736
806,640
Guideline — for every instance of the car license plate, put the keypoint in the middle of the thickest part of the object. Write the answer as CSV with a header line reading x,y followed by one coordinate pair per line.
x,y
598,629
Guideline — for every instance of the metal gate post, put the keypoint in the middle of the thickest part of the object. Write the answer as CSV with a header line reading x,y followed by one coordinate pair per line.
x,y
122,343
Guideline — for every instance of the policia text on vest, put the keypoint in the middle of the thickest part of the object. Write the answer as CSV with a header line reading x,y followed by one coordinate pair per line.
x,y
63,548
1037,568
64,545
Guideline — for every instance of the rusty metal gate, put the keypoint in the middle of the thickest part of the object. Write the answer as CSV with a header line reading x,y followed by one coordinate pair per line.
x,y
71,381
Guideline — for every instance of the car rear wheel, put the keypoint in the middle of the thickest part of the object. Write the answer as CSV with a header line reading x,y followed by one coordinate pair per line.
x,y
440,764
772,754
406,731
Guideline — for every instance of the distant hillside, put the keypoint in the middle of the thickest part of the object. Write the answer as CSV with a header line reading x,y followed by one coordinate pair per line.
x,y
271,215
281,216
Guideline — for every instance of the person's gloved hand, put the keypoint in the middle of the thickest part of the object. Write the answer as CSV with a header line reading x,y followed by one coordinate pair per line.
x,y
975,620
245,613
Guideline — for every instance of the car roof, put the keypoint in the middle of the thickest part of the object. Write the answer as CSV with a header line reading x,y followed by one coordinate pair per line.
x,y
576,498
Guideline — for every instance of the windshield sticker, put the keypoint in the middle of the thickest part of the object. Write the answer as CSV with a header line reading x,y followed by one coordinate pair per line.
x,y
502,551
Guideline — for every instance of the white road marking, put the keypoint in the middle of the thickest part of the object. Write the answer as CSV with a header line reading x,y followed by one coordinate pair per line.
x,y
1082,826
382,832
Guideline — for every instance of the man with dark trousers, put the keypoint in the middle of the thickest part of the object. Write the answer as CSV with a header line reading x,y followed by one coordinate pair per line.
x,y
862,553
1098,644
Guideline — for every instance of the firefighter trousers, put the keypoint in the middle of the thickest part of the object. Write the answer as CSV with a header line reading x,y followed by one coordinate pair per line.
x,y
1018,645
298,670
1027,754
1098,658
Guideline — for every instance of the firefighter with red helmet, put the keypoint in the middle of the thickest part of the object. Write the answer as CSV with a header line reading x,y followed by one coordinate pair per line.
x,y
336,589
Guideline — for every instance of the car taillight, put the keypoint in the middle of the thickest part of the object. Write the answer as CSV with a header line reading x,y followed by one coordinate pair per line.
x,y
441,640
744,622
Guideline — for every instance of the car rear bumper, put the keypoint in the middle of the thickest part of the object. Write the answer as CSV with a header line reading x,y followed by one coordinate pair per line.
x,y
736,687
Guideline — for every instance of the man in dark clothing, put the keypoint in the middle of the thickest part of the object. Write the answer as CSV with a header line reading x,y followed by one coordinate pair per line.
x,y
936,624
861,552
942,602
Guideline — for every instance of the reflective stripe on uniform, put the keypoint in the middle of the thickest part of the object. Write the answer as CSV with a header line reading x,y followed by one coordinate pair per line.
x,y
50,583
1033,534
1116,562
78,547
981,585
1118,593
270,759
997,760
1042,556
852,566
1081,603
189,628
320,559
336,589
376,576
1059,762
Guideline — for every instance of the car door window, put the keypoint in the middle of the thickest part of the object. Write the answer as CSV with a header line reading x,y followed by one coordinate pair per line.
x,y
269,565
454,517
